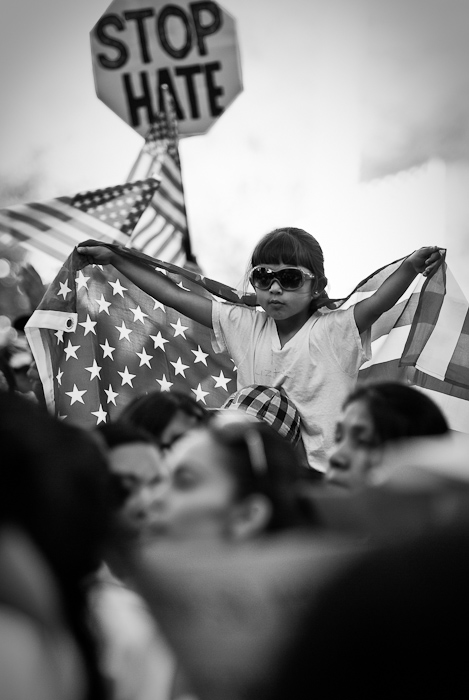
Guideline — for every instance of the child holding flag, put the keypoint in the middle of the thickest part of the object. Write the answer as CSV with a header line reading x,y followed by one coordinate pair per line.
x,y
313,354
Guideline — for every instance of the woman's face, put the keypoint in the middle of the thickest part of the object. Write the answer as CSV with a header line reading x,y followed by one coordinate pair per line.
x,y
356,450
199,494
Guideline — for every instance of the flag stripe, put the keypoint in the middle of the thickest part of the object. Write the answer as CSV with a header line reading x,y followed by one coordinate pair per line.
x,y
70,226
165,204
151,225
453,400
57,226
89,224
56,236
32,241
438,351
168,202
388,347
172,174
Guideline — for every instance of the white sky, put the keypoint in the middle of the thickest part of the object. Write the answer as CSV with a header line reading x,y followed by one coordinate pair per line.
x,y
287,151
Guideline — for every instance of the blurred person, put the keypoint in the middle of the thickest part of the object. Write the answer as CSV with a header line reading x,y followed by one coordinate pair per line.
x,y
165,415
18,358
232,493
390,623
137,468
232,479
7,378
134,655
54,528
373,416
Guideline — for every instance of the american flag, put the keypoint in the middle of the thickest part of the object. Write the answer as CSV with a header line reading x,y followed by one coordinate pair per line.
x,y
163,231
99,341
423,340
55,227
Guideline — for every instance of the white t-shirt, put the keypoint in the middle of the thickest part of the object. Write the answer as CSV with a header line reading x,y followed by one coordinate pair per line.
x,y
317,368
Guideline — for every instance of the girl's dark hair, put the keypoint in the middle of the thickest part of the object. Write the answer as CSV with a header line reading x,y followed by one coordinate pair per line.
x,y
399,411
155,410
278,481
292,246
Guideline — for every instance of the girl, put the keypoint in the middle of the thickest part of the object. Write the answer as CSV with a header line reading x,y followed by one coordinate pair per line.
x,y
314,356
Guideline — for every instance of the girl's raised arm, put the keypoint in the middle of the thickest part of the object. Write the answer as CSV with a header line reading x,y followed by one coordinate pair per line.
x,y
424,260
154,283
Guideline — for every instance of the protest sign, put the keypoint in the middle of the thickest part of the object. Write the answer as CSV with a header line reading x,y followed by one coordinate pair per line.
x,y
140,45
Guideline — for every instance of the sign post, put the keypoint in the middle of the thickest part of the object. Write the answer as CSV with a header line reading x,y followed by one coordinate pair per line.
x,y
140,45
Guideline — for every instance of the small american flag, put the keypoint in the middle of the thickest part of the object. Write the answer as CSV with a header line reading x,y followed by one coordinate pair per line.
x,y
163,231
99,341
55,227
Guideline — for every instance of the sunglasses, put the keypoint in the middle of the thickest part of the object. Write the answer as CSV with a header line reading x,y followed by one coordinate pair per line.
x,y
289,278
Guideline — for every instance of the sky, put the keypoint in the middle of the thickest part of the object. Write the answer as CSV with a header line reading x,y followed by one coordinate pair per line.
x,y
353,117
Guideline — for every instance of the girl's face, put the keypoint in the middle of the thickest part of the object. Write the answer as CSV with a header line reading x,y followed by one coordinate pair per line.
x,y
199,494
356,451
281,304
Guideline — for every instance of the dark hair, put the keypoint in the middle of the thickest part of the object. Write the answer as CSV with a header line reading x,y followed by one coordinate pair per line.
x,y
271,467
119,433
399,411
292,246
155,410
55,489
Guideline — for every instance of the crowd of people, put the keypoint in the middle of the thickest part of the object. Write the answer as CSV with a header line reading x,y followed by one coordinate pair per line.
x,y
310,533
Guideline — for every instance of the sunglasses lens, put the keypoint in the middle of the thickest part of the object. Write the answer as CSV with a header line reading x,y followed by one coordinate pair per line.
x,y
262,277
290,279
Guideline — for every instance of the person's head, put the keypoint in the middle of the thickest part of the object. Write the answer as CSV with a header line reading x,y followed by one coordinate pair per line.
x,y
372,416
233,478
288,248
55,493
165,415
137,469
55,486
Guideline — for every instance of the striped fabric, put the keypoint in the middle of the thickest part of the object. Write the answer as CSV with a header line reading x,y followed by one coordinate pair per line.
x,y
423,340
163,232
57,226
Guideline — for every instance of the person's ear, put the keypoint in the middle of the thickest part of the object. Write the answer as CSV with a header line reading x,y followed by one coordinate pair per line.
x,y
250,517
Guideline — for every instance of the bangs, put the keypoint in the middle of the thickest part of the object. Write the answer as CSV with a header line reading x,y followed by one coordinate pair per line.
x,y
281,246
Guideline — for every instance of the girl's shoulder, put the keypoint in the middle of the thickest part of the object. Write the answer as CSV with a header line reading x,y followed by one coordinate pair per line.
x,y
227,312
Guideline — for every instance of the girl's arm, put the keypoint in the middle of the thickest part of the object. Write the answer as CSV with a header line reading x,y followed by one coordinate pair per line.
x,y
157,285
424,260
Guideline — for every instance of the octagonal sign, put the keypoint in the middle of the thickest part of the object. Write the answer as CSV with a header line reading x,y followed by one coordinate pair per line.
x,y
140,45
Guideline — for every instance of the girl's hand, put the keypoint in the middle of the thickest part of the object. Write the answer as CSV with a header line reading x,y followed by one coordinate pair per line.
x,y
99,254
425,260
